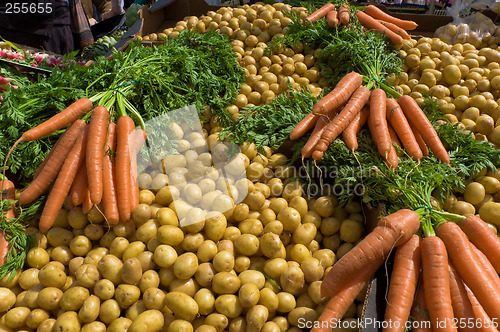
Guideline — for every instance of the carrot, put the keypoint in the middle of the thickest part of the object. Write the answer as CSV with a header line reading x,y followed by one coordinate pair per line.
x,y
483,237
394,28
341,300
138,139
437,283
95,151
377,123
321,12
349,134
414,113
323,121
462,308
342,120
393,136
124,128
344,15
391,231
376,13
486,264
472,272
402,128
306,124
63,182
60,120
340,94
332,19
419,311
54,164
79,187
404,280
419,139
109,201
371,24
8,192
482,320
87,203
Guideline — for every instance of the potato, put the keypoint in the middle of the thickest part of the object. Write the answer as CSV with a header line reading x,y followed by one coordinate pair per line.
x,y
182,305
109,311
8,299
165,255
292,280
228,305
325,206
132,271
474,193
121,324
104,289
67,322
15,318
87,275
247,244
126,295
49,298
110,268
185,265
150,320
462,208
73,298
89,310
36,317
271,246
225,283
256,316
215,225
351,231
302,314
491,184
490,212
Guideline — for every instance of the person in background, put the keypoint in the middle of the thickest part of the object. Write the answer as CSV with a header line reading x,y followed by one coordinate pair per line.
x,y
56,26
98,10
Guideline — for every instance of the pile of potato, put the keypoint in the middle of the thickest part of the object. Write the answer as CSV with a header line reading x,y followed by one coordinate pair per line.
x,y
253,265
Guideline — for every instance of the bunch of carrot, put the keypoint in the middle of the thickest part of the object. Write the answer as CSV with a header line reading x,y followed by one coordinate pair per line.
x,y
90,164
452,275
372,18
350,105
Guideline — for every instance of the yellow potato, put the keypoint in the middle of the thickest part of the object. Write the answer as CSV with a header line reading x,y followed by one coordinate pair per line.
x,y
182,305
490,212
67,322
150,320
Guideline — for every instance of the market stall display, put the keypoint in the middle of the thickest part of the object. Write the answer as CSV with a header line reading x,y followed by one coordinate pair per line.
x,y
234,221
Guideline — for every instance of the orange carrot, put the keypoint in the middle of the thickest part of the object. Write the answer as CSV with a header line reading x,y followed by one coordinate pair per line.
x,y
393,135
341,300
306,124
332,19
87,203
51,169
394,28
462,308
482,320
79,188
124,128
350,133
402,128
391,231
377,123
483,237
109,201
342,120
344,15
63,182
376,13
419,311
320,13
472,272
437,283
419,139
404,280
371,24
414,113
95,151
340,94
486,264
8,192
323,121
